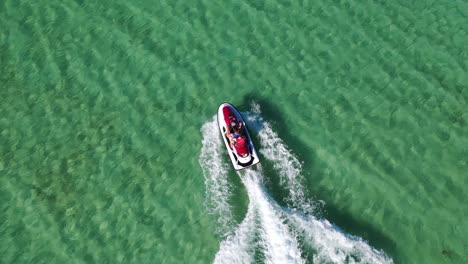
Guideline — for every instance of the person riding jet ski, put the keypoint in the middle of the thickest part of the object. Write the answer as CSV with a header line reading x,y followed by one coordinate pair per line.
x,y
237,137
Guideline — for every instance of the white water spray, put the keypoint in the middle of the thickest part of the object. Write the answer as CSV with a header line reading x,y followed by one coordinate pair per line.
x,y
287,164
237,248
218,188
280,245
267,226
331,244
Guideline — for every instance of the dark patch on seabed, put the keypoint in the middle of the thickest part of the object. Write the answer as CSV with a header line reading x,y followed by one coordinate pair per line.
x,y
331,212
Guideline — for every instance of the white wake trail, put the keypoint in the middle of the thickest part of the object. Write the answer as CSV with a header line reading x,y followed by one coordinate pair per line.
x,y
287,164
267,226
330,243
238,248
218,188
280,245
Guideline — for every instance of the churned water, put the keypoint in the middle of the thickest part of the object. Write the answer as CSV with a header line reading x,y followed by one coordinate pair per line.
x,y
109,152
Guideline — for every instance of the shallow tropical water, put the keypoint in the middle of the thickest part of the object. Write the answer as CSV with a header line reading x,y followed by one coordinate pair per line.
x,y
104,110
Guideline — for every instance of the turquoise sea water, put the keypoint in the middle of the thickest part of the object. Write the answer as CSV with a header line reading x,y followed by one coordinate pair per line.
x,y
106,130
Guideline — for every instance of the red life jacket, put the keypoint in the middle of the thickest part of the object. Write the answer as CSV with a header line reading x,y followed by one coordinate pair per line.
x,y
241,146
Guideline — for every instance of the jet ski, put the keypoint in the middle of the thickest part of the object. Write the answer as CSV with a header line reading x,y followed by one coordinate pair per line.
x,y
240,148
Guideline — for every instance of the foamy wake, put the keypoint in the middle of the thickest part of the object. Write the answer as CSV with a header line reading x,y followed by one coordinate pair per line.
x,y
263,228
218,188
288,166
239,247
331,244
280,244
268,227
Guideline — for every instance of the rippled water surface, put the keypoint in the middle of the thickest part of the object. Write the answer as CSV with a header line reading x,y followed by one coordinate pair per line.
x,y
109,152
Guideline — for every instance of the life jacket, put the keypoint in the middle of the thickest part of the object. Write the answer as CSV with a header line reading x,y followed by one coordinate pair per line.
x,y
241,146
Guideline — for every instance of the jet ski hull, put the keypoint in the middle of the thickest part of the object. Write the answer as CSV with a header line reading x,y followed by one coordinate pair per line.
x,y
239,162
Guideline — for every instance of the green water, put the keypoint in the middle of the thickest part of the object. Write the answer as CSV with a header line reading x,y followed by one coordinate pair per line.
x,y
102,104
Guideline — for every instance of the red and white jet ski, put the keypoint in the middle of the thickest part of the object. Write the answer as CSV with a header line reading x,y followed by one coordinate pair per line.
x,y
242,152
